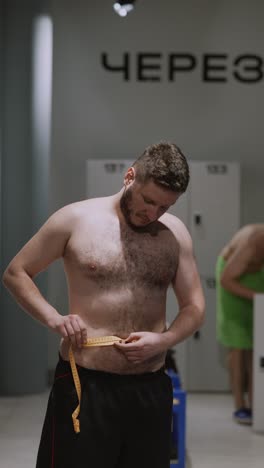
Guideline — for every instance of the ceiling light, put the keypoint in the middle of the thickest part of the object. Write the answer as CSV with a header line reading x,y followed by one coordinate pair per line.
x,y
122,8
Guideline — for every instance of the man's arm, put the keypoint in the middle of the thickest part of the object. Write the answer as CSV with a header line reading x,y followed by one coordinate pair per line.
x,y
235,267
189,293
47,245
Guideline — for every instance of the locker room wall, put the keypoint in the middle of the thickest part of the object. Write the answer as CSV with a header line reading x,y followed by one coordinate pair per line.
x,y
23,207
97,114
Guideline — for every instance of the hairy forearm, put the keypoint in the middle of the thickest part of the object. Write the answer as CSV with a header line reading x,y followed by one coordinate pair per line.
x,y
28,296
235,287
188,320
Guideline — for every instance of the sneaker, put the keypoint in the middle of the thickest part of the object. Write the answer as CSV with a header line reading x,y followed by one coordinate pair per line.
x,y
243,416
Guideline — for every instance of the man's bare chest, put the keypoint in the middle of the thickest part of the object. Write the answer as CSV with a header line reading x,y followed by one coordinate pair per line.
x,y
113,257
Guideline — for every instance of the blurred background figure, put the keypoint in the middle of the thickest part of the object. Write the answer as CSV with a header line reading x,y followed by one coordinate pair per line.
x,y
239,275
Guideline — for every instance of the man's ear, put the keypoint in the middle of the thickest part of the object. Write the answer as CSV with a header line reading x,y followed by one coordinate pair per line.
x,y
129,176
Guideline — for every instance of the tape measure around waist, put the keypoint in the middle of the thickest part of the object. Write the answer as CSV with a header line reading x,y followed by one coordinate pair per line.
x,y
97,341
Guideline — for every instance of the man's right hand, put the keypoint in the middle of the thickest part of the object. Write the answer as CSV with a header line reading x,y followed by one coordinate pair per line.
x,y
72,328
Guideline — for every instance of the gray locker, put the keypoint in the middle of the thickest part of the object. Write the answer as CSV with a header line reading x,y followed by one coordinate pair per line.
x,y
214,218
214,209
206,358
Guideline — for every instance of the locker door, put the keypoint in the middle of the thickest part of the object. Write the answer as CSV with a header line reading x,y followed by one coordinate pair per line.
x,y
206,360
105,177
214,209
214,215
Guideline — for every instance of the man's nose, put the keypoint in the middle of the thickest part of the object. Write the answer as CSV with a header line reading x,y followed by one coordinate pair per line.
x,y
153,213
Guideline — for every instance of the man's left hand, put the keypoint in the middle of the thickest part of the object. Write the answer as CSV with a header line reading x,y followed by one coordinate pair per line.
x,y
141,346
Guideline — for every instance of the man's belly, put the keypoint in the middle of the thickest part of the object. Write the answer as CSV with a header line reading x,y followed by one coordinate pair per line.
x,y
110,359
119,313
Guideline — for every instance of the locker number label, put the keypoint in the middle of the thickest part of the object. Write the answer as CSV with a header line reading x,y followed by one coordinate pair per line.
x,y
217,169
112,168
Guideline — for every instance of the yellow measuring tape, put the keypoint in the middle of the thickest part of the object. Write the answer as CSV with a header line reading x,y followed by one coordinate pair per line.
x,y
97,341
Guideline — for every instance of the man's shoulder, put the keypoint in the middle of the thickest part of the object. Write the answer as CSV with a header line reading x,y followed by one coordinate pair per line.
x,y
173,222
177,226
83,214
81,207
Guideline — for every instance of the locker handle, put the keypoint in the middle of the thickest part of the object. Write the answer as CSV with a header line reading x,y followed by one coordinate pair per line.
x,y
197,219
197,335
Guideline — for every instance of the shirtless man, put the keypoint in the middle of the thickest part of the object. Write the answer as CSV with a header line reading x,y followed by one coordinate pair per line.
x,y
120,255
239,276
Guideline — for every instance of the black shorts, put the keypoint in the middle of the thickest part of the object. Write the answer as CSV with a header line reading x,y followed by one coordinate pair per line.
x,y
125,421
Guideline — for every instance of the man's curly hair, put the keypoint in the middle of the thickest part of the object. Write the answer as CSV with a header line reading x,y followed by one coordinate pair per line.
x,y
165,164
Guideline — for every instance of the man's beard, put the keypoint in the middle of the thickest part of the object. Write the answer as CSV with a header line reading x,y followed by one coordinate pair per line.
x,y
125,203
